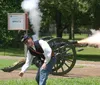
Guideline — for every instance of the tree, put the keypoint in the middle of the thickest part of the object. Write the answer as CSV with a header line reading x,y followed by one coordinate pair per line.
x,y
95,9
65,13
6,6
56,13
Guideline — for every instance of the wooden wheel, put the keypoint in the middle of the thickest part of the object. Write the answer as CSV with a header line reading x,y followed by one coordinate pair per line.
x,y
65,55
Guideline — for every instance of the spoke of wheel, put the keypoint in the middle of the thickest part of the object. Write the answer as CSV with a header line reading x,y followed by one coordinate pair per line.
x,y
54,66
57,65
68,49
62,69
69,54
66,65
70,60
56,70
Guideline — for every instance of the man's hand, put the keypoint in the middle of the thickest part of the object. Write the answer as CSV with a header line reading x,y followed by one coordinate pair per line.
x,y
44,66
21,74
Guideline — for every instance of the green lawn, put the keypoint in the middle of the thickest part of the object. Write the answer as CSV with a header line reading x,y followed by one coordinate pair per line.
x,y
55,81
77,36
12,52
5,62
89,53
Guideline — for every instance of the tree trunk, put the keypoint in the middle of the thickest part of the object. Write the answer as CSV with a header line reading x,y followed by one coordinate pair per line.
x,y
96,12
59,24
70,36
72,25
71,29
73,8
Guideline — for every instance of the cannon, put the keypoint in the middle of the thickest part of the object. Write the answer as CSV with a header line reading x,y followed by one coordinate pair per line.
x,y
65,54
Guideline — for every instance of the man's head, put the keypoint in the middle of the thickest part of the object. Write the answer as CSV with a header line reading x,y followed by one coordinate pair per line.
x,y
27,40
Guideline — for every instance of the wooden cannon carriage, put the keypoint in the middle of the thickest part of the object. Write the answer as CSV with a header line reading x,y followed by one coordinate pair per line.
x,y
65,55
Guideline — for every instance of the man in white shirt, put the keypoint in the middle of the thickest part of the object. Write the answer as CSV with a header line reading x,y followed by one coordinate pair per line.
x,y
44,53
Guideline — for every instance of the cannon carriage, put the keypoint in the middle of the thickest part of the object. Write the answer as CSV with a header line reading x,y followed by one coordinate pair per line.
x,y
65,54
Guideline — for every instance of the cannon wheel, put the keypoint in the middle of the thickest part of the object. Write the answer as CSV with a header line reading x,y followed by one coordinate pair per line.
x,y
65,55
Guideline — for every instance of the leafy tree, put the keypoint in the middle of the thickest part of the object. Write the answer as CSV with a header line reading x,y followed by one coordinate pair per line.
x,y
95,8
65,13
6,6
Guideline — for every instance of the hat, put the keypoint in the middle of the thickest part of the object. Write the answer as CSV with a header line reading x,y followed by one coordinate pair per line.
x,y
25,37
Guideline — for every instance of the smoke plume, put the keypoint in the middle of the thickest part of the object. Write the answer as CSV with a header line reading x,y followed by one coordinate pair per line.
x,y
92,40
31,6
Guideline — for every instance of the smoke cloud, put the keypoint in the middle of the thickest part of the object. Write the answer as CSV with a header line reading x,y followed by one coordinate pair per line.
x,y
32,7
92,40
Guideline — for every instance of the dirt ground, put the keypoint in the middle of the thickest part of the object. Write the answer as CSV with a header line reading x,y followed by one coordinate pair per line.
x,y
81,69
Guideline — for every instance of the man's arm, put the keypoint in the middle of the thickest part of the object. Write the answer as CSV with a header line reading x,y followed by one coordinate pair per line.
x,y
27,64
47,55
47,52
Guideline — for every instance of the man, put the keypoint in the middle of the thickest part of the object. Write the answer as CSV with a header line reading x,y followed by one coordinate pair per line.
x,y
42,51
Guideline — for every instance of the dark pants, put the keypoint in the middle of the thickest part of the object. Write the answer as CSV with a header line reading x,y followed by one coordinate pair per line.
x,y
42,74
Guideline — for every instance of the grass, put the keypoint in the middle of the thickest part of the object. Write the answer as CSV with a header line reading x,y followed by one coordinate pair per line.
x,y
89,53
55,81
12,51
77,36
6,63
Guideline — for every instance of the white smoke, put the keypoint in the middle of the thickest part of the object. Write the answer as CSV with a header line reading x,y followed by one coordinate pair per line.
x,y
32,7
92,40
93,31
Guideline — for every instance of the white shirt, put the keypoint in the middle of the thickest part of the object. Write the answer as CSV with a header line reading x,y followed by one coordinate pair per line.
x,y
47,54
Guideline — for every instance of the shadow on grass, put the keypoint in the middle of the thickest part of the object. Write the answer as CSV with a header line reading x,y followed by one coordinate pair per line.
x,y
88,57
